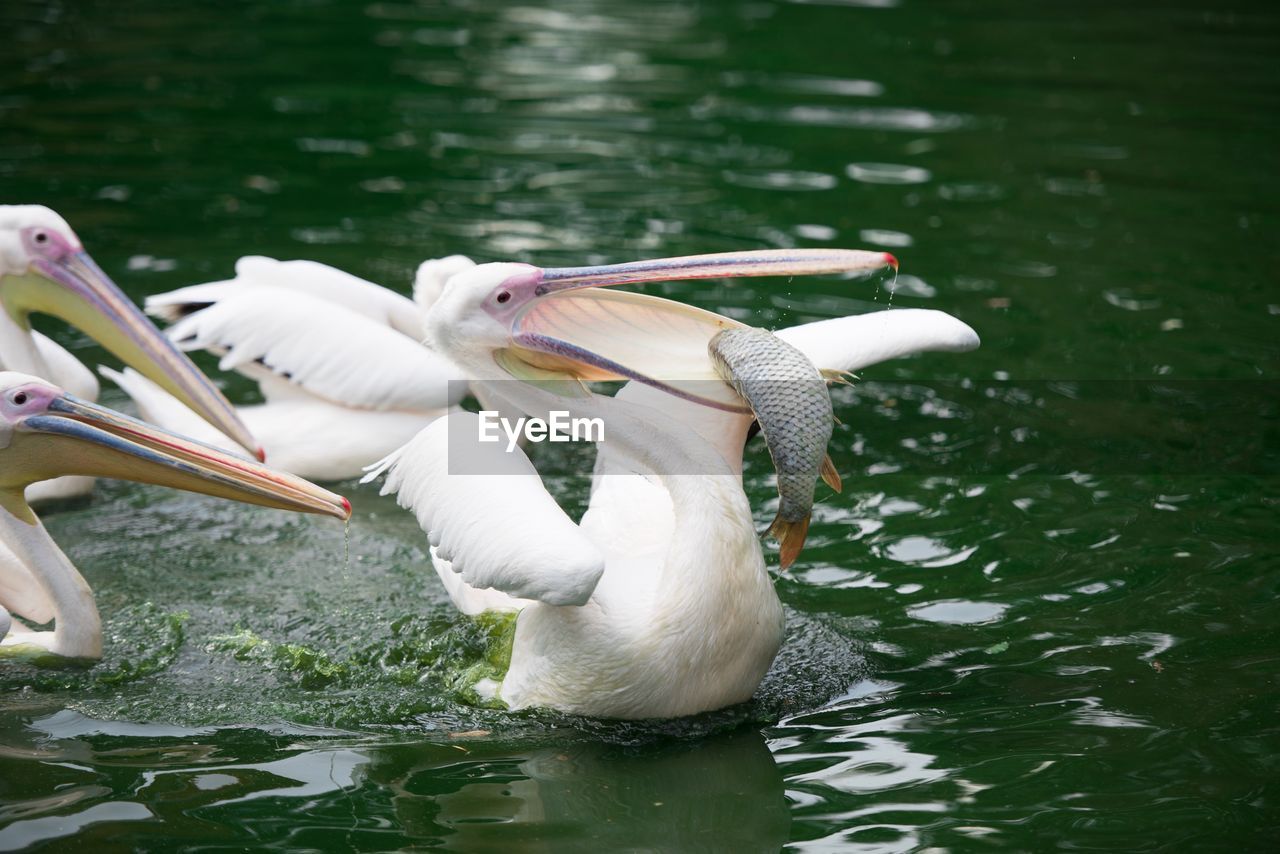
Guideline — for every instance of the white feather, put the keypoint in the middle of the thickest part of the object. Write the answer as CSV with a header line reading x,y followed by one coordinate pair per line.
x,y
841,343
853,343
157,406
344,358
488,514
66,370
300,434
20,592
306,277
433,275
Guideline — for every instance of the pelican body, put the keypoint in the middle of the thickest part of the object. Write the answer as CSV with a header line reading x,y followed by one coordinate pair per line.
x,y
658,603
46,432
338,359
45,269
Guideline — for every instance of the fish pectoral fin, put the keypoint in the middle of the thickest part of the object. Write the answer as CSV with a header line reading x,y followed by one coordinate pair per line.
x,y
829,474
835,375
790,537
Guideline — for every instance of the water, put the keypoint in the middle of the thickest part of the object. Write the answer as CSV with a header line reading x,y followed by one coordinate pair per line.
x,y
1043,611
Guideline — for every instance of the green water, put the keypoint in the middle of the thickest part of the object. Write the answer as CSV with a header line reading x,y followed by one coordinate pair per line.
x,y
1043,611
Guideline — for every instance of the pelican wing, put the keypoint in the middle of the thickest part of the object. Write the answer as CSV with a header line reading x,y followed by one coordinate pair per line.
x,y
175,305
853,343
307,277
487,513
322,348
841,343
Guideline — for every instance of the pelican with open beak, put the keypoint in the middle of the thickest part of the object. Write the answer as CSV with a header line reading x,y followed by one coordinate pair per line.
x,y
46,432
45,269
657,603
504,321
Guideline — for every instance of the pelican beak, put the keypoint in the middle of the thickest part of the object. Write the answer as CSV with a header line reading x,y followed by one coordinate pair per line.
x,y
567,328
69,285
73,436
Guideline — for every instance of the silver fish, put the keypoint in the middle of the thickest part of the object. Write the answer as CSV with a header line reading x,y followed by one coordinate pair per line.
x,y
790,400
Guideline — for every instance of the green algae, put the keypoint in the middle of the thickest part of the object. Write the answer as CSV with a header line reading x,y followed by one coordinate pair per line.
x,y
497,633
458,656
312,667
139,641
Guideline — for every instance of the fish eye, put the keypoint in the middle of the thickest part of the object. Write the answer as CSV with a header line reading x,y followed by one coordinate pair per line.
x,y
505,296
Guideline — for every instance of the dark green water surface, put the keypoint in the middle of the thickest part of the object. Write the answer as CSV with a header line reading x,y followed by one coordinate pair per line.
x,y
1042,614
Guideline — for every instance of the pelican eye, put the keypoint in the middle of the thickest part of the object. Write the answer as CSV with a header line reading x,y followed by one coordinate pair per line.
x,y
41,237
505,296
20,398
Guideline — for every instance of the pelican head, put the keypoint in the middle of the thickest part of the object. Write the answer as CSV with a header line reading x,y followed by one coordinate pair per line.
x,y
44,268
46,432
556,323
433,274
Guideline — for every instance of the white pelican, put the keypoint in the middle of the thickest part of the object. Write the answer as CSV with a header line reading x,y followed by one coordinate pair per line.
x,y
338,359
658,603
44,269
46,432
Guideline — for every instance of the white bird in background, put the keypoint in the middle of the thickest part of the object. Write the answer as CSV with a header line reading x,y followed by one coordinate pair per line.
x,y
44,269
658,603
339,361
46,432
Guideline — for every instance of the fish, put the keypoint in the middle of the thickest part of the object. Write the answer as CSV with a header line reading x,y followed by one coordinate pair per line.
x,y
789,398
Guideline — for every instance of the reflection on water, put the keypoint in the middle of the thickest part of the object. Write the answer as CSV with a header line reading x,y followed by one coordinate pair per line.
x,y
467,793
22,834
588,796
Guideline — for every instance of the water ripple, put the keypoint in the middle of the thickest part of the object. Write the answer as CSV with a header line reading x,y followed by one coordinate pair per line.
x,y
870,118
959,612
887,173
781,180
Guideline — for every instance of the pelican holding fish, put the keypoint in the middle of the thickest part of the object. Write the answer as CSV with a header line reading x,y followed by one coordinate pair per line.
x,y
658,603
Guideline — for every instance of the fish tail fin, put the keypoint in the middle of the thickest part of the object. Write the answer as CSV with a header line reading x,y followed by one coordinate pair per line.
x,y
829,474
790,536
835,375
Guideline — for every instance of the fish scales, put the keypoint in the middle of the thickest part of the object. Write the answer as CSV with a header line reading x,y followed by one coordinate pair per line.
x,y
789,398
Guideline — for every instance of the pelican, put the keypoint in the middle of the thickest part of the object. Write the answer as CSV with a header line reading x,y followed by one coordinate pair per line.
x,y
46,432
44,269
338,359
657,604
